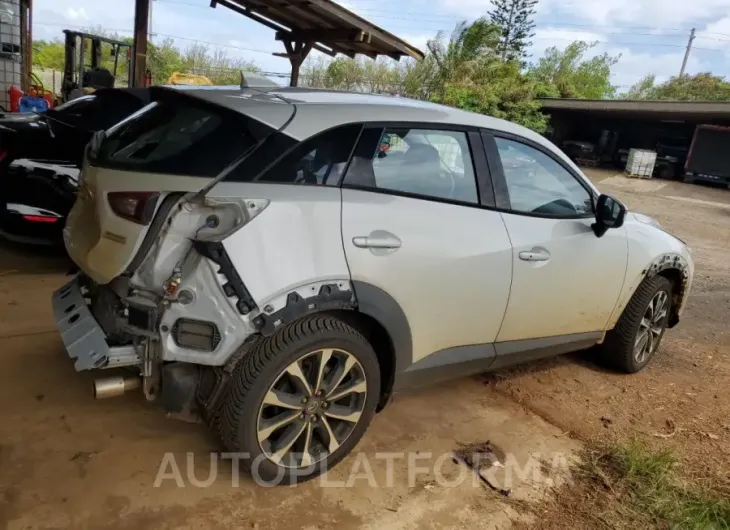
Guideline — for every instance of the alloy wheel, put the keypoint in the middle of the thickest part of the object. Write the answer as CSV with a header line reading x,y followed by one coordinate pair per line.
x,y
311,408
651,327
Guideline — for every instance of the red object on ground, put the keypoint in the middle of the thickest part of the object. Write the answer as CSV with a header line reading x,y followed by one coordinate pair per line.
x,y
15,94
36,91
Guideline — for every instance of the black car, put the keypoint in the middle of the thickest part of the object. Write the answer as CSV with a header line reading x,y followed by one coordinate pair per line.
x,y
39,159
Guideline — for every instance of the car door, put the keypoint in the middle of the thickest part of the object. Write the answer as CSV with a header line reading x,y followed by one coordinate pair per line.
x,y
419,244
565,280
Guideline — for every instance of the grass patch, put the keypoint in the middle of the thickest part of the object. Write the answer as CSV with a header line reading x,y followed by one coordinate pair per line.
x,y
638,486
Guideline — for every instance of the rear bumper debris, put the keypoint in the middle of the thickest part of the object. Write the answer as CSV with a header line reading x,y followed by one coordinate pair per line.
x,y
82,336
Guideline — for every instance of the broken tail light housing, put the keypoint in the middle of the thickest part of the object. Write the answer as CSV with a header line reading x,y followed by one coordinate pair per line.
x,y
135,206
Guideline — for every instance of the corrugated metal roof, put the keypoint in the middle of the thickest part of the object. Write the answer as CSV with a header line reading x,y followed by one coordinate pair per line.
x,y
640,106
332,28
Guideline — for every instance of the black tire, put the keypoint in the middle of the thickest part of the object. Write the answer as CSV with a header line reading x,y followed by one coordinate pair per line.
x,y
262,366
617,351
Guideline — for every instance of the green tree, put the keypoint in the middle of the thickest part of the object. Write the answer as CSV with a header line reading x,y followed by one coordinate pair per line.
x,y
462,71
48,54
415,78
464,56
642,89
163,59
503,93
566,74
471,76
700,87
515,21
345,74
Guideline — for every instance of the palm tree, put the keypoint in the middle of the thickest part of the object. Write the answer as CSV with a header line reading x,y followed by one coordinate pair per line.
x,y
467,52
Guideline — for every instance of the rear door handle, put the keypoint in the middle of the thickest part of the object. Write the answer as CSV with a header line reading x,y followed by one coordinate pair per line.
x,y
534,255
377,239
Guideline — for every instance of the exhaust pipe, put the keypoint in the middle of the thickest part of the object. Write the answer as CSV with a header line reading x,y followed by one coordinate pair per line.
x,y
115,386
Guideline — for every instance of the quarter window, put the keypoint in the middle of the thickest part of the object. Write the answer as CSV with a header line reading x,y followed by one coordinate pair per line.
x,y
538,184
430,163
319,160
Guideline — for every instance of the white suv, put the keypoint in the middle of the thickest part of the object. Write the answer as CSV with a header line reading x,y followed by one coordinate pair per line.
x,y
281,262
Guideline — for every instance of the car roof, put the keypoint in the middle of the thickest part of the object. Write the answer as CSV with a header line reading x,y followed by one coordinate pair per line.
x,y
319,110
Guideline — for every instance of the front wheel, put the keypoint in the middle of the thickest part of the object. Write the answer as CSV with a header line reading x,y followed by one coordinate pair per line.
x,y
300,400
635,339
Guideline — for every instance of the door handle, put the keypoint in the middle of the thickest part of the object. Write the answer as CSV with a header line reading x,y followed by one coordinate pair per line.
x,y
534,255
376,241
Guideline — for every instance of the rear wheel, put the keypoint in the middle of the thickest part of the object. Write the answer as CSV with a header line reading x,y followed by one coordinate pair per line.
x,y
635,339
300,400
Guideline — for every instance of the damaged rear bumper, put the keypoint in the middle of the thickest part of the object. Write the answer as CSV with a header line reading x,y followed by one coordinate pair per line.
x,y
82,336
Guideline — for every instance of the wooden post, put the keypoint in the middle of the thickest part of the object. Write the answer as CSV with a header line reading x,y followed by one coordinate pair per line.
x,y
139,56
296,52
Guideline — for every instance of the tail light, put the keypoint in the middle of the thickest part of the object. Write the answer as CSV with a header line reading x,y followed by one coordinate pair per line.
x,y
41,218
135,206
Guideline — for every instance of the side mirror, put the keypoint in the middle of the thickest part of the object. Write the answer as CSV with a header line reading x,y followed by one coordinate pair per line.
x,y
610,213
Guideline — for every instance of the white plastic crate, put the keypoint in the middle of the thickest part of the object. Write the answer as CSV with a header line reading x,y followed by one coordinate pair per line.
x,y
640,163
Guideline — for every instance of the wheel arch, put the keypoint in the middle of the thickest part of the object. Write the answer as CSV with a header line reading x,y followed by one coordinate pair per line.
x,y
670,265
380,318
364,306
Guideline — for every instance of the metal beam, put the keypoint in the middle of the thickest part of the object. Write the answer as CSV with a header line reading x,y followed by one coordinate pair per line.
x,y
345,15
246,12
324,35
296,52
139,56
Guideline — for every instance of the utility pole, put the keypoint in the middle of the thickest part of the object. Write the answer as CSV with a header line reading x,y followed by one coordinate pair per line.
x,y
686,53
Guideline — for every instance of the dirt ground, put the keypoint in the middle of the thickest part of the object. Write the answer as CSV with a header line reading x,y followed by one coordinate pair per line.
x,y
67,461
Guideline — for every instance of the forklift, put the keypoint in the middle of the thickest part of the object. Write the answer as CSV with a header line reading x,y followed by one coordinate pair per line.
x,y
77,78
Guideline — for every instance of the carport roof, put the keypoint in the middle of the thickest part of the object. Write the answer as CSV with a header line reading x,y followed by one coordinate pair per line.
x,y
329,26
645,109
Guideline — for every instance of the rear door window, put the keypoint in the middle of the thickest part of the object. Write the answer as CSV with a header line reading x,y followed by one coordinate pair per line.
x,y
428,163
179,136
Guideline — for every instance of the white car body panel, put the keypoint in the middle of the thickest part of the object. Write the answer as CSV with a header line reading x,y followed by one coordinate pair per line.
x,y
575,291
295,241
451,275
208,305
647,243
100,242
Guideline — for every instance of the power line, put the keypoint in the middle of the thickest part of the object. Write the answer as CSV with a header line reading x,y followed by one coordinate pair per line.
x,y
429,18
257,50
155,34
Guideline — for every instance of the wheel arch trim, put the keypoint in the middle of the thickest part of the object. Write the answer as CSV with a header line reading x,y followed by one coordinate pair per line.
x,y
669,261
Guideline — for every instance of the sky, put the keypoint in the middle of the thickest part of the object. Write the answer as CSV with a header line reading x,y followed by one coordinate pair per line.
x,y
650,35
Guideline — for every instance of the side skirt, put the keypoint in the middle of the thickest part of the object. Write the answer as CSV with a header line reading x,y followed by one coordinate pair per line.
x,y
462,361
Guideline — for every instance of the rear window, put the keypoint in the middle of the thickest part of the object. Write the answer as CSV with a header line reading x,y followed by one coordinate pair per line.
x,y
180,136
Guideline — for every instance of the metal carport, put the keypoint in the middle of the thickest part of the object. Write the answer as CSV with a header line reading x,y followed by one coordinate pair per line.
x,y
302,25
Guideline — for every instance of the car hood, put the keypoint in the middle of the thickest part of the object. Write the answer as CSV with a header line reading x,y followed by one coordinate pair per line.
x,y
647,220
